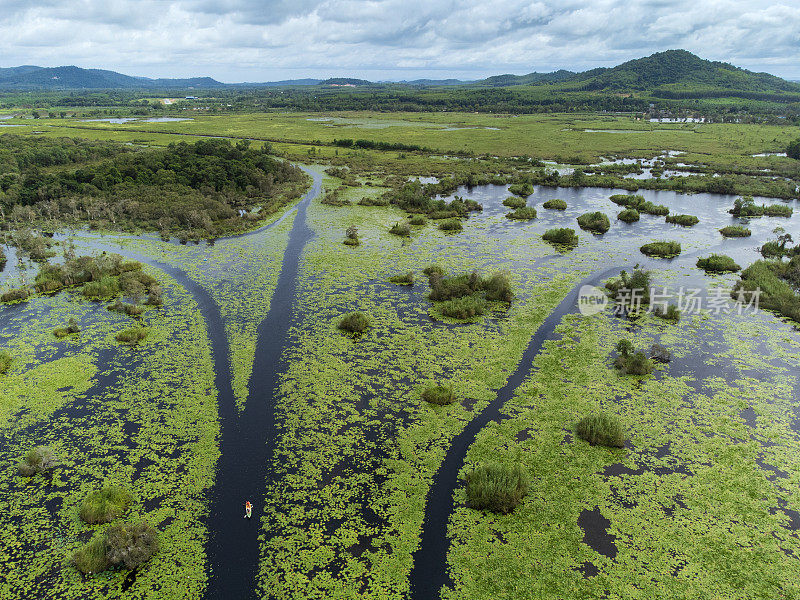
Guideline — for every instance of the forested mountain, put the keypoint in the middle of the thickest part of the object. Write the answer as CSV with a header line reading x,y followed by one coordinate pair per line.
x,y
77,78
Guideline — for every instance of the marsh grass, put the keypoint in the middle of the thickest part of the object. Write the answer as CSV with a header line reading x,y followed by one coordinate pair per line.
x,y
718,263
465,307
735,231
401,229
5,361
417,220
132,335
670,313
127,545
404,279
662,249
555,204
105,505
682,220
524,213
71,328
601,429
634,363
514,202
92,556
521,189
629,215
563,237
451,225
38,460
15,295
596,222
439,394
496,487
355,322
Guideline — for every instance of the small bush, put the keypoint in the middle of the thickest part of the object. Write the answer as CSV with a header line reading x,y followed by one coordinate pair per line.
x,y
521,189
627,199
404,279
354,323
5,361
496,487
564,236
351,236
555,204
438,215
417,220
128,545
596,222
439,394
18,295
498,288
433,271
106,287
601,429
522,214
38,460
671,313
634,364
639,203
451,225
625,347
351,241
465,307
661,249
92,557
514,202
718,263
637,282
660,354
629,215
735,231
105,505
401,229
133,335
683,220
72,327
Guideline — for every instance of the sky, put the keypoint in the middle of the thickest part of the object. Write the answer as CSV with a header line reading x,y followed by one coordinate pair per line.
x,y
267,40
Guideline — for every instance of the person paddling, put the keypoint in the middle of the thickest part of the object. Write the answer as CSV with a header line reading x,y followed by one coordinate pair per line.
x,y
248,509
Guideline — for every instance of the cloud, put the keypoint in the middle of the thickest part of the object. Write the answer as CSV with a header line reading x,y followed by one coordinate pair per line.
x,y
253,40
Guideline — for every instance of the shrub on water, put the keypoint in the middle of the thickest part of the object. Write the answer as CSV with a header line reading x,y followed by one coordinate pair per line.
x,y
456,286
401,229
627,199
438,215
132,335
91,557
38,460
671,313
718,263
735,231
105,505
465,307
683,220
634,364
601,429
17,295
106,287
629,215
637,282
657,210
555,204
563,236
418,220
355,322
496,487
660,354
433,271
404,279
625,347
522,214
521,189
498,288
439,394
72,327
5,361
514,202
351,236
128,545
451,225
661,249
596,222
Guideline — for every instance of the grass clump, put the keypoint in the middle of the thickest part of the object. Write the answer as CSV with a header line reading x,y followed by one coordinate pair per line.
x,y
735,231
683,220
401,229
514,202
5,361
670,313
451,225
778,282
404,279
629,215
637,283
661,249
132,335
128,545
600,429
498,288
355,322
105,505
16,295
555,204
351,236
596,222
632,363
466,307
418,220
639,203
521,189
71,328
38,460
718,263
522,214
496,487
439,394
746,207
563,236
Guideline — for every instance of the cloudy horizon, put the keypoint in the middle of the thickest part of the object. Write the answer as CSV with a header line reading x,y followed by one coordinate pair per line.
x,y
247,40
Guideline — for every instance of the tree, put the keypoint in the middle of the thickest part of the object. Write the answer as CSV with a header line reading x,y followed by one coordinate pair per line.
x,y
793,150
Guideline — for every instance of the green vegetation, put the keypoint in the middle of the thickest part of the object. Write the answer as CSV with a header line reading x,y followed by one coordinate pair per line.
x,y
718,263
624,287
793,150
746,207
132,335
663,249
38,460
596,222
522,214
417,220
496,487
563,236
105,505
780,247
638,202
351,236
683,220
735,231
670,313
451,225
601,429
521,189
401,229
632,363
71,328
778,282
403,279
629,215
466,296
555,204
5,361
465,307
439,394
128,545
355,322
514,202
17,295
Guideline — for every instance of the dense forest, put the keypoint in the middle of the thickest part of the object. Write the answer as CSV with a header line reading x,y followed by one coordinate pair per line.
x,y
200,190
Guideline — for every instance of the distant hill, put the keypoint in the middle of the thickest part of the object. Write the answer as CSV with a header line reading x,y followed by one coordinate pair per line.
x,y
345,81
529,79
31,77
